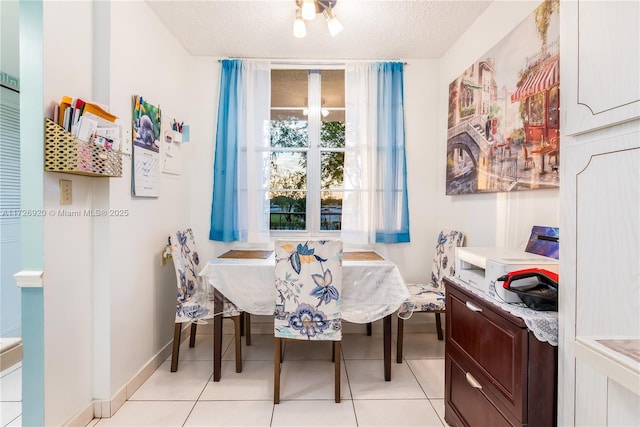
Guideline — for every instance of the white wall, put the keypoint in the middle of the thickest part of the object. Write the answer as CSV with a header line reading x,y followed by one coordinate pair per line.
x,y
109,305
498,219
68,263
147,61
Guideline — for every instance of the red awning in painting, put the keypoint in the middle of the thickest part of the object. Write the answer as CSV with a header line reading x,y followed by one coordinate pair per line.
x,y
546,75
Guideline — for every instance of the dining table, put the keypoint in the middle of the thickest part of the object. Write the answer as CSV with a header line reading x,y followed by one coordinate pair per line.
x,y
543,151
372,289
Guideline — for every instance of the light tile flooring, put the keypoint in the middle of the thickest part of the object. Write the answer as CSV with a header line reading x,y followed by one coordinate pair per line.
x,y
11,396
189,397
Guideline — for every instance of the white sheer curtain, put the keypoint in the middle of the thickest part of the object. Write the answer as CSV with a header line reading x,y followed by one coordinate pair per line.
x,y
358,222
253,153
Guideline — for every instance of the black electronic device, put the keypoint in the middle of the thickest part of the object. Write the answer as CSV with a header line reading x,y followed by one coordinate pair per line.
x,y
536,287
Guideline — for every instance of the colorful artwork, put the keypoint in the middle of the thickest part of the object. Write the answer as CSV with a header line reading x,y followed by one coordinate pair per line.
x,y
146,125
146,148
503,117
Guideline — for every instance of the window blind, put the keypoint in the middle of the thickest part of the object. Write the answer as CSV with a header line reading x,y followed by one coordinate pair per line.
x,y
9,154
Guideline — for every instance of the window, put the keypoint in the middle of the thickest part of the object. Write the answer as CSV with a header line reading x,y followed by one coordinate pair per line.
x,y
536,109
325,157
9,154
307,141
554,105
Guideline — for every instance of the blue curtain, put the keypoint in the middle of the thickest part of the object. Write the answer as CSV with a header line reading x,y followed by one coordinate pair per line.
x,y
393,205
224,218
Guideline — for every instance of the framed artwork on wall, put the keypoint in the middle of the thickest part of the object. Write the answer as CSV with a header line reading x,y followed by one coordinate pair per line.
x,y
503,130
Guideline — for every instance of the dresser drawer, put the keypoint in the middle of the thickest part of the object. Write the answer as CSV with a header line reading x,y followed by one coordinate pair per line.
x,y
494,348
466,403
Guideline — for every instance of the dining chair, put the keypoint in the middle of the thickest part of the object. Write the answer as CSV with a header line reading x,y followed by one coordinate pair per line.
x,y
195,300
308,286
430,297
528,160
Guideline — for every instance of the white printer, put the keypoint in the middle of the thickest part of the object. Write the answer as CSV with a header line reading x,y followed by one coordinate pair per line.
x,y
481,266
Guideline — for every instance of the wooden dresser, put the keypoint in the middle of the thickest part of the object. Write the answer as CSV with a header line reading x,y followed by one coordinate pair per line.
x,y
497,373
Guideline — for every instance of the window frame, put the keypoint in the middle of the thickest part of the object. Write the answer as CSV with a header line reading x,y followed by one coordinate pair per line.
x,y
314,151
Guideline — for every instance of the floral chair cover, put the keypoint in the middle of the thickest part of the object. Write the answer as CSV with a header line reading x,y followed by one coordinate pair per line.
x,y
430,296
195,297
308,280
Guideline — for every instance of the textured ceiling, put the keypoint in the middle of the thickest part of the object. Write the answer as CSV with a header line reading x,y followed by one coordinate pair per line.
x,y
373,29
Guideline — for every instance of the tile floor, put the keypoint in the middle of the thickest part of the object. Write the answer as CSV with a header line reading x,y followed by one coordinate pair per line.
x,y
11,396
189,397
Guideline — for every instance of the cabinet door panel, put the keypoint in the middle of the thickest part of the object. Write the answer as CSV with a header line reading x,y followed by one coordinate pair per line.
x,y
608,208
600,63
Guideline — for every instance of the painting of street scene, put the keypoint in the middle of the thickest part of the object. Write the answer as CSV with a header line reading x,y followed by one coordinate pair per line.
x,y
503,116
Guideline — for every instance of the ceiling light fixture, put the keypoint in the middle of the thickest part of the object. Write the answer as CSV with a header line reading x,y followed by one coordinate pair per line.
x,y
307,9
335,27
299,29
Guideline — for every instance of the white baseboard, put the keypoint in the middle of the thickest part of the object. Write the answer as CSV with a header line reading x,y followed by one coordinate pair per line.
x,y
82,418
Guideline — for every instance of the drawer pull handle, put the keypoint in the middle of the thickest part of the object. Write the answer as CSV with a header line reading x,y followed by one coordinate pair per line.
x,y
473,307
473,382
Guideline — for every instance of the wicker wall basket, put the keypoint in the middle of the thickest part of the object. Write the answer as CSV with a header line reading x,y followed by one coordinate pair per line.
x,y
64,153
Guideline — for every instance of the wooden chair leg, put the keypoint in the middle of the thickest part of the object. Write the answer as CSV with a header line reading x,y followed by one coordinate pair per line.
x,y
277,349
192,337
247,328
336,357
333,351
242,326
439,327
238,340
177,331
369,329
400,340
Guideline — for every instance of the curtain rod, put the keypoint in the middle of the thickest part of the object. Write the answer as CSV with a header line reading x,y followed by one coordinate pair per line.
x,y
281,61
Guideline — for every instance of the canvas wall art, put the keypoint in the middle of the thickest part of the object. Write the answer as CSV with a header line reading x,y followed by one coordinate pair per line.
x,y
503,130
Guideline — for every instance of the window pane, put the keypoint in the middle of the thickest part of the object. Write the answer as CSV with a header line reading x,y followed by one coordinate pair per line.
x,y
332,91
536,110
332,109
332,134
332,115
554,104
288,114
289,133
289,88
288,210
332,170
331,210
288,170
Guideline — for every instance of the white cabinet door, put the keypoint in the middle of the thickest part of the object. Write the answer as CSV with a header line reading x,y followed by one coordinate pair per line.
x,y
600,79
